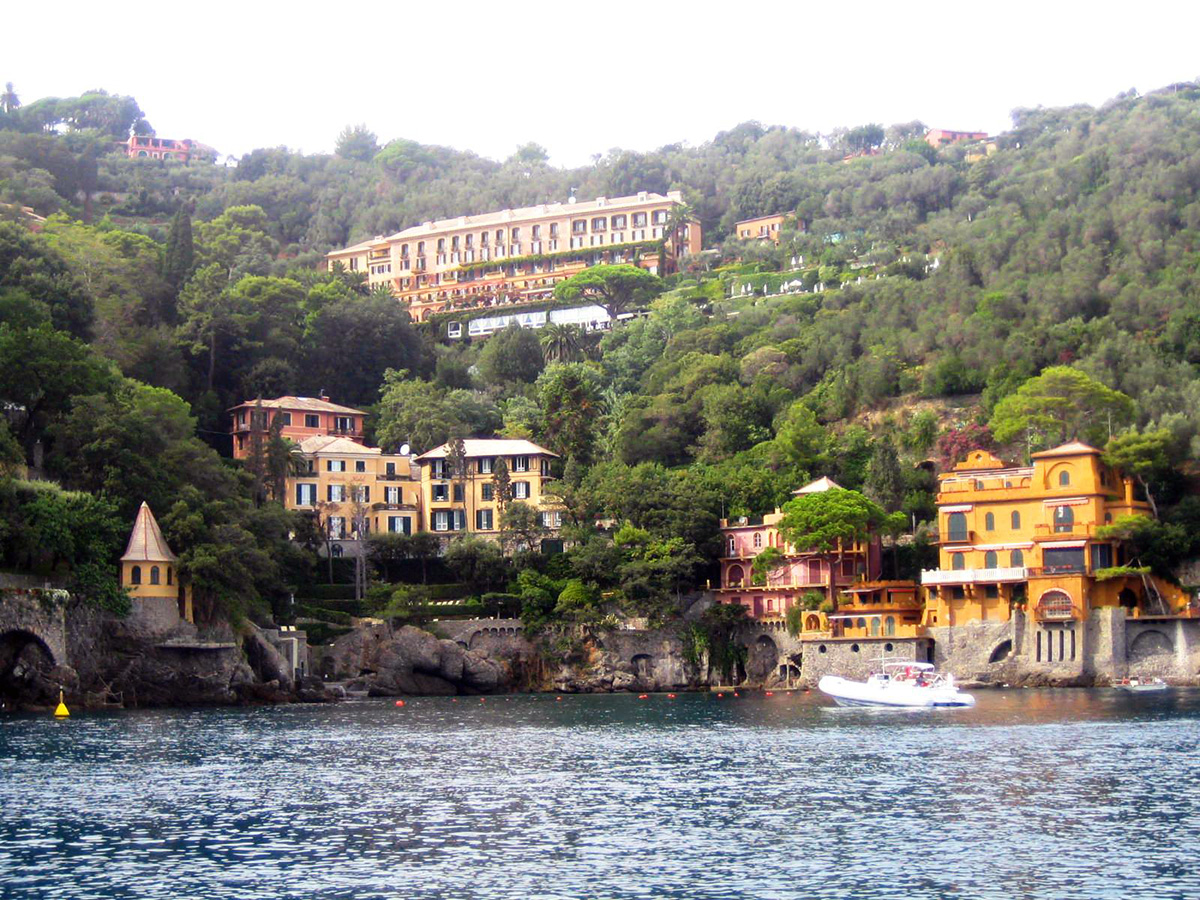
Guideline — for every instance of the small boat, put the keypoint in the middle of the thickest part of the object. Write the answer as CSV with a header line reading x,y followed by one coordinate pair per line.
x,y
1142,685
900,684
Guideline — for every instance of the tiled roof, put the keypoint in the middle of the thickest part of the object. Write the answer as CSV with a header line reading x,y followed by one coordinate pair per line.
x,y
1073,448
330,444
515,216
146,541
490,447
823,483
308,404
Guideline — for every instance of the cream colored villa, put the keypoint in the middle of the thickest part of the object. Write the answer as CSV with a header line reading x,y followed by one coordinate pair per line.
x,y
518,255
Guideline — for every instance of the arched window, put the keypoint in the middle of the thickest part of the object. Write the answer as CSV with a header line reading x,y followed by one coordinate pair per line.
x,y
812,623
1055,605
989,559
958,561
957,526
736,575
861,623
989,522
874,626
757,539
1064,478
1017,559
1108,518
1064,518
732,547
1016,519
154,575
889,626
170,572
135,575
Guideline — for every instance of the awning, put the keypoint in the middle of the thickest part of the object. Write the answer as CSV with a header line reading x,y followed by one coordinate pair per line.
x,y
1057,544
1068,501
962,507
1026,546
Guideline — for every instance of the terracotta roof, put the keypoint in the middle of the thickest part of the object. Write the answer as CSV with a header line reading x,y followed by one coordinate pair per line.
x,y
146,541
1074,448
491,447
310,404
823,483
516,216
328,443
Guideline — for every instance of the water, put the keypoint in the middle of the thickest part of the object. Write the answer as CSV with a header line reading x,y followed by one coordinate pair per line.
x,y
1089,794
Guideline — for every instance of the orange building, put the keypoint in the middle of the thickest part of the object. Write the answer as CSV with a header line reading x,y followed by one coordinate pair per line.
x,y
762,228
144,146
940,137
1026,536
150,572
303,417
518,255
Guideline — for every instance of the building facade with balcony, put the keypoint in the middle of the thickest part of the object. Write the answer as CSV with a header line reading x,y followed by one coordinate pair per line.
x,y
302,417
761,228
470,501
518,255
800,572
355,491
1026,536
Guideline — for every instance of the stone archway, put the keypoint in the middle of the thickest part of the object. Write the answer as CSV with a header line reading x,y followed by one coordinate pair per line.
x,y
643,666
762,660
1150,644
26,667
1002,651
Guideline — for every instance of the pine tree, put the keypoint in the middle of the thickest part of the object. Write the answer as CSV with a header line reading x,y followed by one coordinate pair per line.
x,y
885,481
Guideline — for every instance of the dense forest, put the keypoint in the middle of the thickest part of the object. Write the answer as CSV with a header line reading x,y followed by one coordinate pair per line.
x,y
925,302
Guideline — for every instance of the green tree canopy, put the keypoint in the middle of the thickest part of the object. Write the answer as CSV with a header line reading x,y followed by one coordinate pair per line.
x,y
1061,404
615,287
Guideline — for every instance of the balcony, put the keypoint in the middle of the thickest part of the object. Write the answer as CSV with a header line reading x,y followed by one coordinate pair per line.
x,y
379,507
958,536
975,576
1066,569
1077,531
394,476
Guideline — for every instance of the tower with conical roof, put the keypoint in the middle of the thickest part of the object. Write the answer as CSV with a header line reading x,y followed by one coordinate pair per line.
x,y
149,570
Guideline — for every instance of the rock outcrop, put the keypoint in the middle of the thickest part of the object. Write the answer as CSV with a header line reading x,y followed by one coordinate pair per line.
x,y
387,662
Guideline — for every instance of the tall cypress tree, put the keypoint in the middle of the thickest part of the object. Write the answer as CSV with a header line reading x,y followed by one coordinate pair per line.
x,y
180,256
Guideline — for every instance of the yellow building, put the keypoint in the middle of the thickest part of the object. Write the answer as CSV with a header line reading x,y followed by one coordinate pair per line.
x,y
149,571
761,228
517,255
1026,536
470,503
356,490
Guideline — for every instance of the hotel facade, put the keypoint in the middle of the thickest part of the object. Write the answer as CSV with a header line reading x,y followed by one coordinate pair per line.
x,y
518,255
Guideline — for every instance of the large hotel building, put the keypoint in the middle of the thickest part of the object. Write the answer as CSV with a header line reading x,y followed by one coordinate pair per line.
x,y
518,255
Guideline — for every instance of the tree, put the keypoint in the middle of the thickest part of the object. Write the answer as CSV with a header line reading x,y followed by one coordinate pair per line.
x,y
521,526
501,485
1061,404
560,342
180,253
9,99
29,263
1146,455
570,398
456,461
885,481
513,355
214,317
615,287
766,562
357,143
477,561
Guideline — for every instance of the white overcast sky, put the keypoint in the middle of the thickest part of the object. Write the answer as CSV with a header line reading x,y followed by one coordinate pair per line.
x,y
583,77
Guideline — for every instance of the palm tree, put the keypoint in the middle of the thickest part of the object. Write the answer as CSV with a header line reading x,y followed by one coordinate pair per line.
x,y
680,216
560,342
9,99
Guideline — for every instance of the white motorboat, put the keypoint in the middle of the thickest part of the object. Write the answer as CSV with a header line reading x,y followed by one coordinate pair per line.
x,y
1142,685
899,683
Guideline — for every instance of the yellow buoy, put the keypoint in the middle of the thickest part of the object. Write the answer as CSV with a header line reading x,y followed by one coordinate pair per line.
x,y
61,711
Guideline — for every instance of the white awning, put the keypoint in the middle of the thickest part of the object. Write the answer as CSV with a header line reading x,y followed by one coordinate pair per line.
x,y
962,507
966,549
1026,546
1057,544
859,616
1068,501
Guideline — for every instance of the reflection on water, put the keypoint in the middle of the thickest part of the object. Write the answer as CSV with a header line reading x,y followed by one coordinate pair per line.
x,y
1091,794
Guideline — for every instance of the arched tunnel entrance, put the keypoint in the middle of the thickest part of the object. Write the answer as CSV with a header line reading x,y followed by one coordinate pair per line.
x,y
25,666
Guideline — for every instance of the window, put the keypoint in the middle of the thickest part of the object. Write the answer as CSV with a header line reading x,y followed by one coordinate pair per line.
x,y
312,421
441,245
757,540
437,468
520,464
337,527
286,417
515,234
1016,520
483,239
336,493
1064,518
991,591
989,559
441,493
1016,559
989,522
660,216
399,524
579,226
458,493
362,493
135,575
343,423
499,237
553,230
520,490
360,465
732,547
552,519
487,491
599,224
306,495
483,520
420,248
154,575
1064,478
170,573
441,520
639,220
1062,559
484,465
1101,556
335,465
1055,605
958,561
618,222
957,526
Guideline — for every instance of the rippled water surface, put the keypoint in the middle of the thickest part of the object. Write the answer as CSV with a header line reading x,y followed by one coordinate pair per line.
x,y
1087,794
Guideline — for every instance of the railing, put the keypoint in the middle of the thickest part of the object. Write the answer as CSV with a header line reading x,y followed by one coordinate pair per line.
x,y
1060,532
974,576
399,506
958,536
1057,613
985,485
394,476
1066,569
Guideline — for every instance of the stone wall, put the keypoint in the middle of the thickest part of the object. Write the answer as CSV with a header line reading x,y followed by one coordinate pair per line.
x,y
154,615
39,612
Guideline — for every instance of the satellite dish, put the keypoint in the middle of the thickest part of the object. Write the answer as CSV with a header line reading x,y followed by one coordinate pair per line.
x,y
404,449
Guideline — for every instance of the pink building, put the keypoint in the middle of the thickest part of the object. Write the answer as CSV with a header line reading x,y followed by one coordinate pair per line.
x,y
147,146
802,571
940,137
302,417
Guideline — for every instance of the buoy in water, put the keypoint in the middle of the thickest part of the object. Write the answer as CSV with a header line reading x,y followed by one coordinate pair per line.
x,y
736,694
670,696
643,696
61,711
720,696
770,693
399,702
558,698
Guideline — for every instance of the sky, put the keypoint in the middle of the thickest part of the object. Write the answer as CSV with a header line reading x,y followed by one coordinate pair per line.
x,y
583,78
